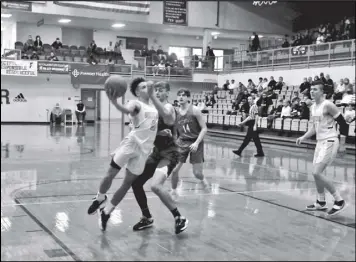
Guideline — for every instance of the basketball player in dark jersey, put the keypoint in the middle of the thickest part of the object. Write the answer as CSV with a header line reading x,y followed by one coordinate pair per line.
x,y
191,129
165,153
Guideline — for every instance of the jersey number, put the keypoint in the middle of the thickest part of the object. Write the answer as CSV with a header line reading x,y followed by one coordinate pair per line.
x,y
186,128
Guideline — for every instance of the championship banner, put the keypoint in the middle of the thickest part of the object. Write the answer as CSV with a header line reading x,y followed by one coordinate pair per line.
x,y
18,67
89,74
53,67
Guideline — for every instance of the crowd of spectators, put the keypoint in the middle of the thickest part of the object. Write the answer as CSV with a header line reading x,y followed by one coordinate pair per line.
x,y
344,30
276,100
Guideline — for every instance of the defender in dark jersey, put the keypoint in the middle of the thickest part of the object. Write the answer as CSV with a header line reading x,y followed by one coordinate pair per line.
x,y
191,129
165,153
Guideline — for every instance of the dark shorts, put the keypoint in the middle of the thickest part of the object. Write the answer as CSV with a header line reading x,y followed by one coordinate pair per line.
x,y
171,154
196,157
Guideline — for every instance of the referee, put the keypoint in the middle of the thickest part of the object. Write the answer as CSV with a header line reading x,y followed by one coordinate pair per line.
x,y
250,122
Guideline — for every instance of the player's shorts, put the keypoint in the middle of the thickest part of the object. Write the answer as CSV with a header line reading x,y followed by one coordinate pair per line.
x,y
130,154
170,154
326,151
196,157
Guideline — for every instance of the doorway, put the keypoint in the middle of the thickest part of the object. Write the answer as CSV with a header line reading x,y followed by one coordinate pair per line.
x,y
91,100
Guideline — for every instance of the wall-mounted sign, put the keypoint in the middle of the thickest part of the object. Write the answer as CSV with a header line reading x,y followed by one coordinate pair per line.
x,y
20,6
175,12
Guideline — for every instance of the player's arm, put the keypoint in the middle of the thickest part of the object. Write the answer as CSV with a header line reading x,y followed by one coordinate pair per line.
x,y
308,134
166,111
132,107
253,116
339,118
197,113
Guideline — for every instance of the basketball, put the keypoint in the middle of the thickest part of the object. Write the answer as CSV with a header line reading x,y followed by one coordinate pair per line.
x,y
115,83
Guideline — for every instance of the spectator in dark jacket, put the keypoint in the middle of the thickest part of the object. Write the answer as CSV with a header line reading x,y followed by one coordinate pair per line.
x,y
263,103
322,78
279,85
304,109
38,43
275,112
57,44
328,87
272,82
304,87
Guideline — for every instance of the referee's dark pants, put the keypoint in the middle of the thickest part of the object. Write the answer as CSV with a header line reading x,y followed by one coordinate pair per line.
x,y
254,135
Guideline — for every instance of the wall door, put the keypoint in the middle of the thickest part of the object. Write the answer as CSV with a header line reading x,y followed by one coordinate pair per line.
x,y
89,99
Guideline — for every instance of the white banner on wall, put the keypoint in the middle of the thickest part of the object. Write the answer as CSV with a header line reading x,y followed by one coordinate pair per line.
x,y
18,67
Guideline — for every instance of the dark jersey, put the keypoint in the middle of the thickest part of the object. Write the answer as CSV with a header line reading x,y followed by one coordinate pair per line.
x,y
164,142
188,127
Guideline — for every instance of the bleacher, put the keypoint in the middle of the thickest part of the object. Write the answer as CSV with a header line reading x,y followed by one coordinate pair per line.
x,y
217,115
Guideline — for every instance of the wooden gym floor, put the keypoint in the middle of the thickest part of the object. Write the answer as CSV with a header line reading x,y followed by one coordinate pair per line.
x,y
254,211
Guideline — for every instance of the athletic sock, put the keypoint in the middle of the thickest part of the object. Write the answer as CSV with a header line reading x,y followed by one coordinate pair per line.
x,y
321,197
146,213
109,208
175,213
100,197
337,196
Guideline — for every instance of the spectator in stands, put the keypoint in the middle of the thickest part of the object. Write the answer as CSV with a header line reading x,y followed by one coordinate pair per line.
x,y
161,54
322,78
285,43
109,48
52,57
92,60
275,113
210,101
255,43
295,97
226,85
304,87
349,97
244,108
210,56
316,78
57,115
350,113
38,43
117,47
160,68
264,85
241,87
271,94
295,109
304,109
310,80
215,89
286,110
280,84
80,112
233,85
260,84
328,85
92,48
272,82
57,44
263,104
34,56
339,91
202,107
151,52
144,51
29,45
251,85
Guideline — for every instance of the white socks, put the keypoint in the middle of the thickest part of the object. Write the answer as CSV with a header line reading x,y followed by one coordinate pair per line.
x,y
109,208
337,196
321,197
100,197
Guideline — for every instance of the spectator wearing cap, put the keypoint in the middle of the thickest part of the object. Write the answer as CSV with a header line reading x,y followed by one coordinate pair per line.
x,y
57,44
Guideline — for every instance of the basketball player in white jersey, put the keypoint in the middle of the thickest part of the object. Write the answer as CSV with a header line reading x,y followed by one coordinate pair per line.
x,y
133,150
325,115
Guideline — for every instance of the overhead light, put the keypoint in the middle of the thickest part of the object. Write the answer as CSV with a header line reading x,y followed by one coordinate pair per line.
x,y
118,25
259,36
6,15
215,33
64,21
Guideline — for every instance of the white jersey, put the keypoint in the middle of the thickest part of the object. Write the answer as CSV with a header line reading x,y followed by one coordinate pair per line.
x,y
144,127
325,125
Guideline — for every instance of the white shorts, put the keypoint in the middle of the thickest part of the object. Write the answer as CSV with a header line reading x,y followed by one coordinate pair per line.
x,y
130,154
326,151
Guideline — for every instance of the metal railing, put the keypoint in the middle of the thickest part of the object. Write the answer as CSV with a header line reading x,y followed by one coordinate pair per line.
x,y
307,56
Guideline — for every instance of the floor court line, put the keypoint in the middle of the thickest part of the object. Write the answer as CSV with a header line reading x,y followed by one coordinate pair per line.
x,y
154,196
48,231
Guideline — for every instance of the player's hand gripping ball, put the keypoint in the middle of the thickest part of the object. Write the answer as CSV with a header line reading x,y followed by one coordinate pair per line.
x,y
115,86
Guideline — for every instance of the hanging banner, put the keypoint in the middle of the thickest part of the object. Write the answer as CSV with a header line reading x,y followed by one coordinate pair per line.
x,y
18,67
53,67
89,74
175,12
299,50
